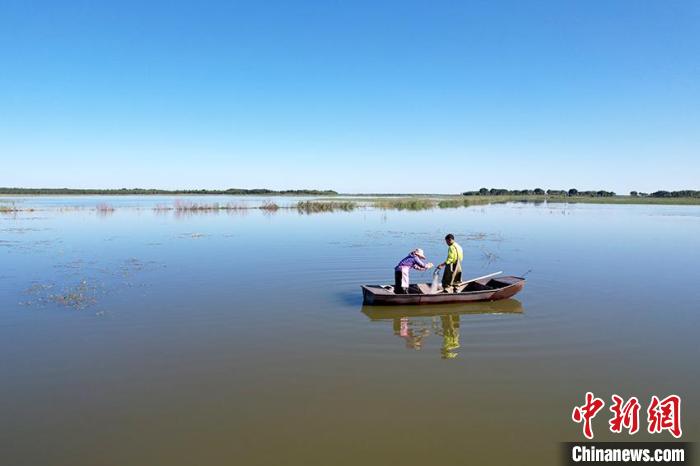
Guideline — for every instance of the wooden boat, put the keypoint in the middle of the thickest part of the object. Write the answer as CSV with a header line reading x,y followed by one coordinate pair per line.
x,y
486,289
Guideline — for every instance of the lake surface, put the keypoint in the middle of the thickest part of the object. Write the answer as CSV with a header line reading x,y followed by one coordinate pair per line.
x,y
145,337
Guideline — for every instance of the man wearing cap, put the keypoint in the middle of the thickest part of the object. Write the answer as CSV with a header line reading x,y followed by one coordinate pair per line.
x,y
453,265
415,260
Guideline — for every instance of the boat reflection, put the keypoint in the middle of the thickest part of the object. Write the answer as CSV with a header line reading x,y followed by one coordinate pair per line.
x,y
414,324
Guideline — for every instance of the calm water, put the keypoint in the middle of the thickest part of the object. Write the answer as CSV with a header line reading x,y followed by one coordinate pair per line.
x,y
149,338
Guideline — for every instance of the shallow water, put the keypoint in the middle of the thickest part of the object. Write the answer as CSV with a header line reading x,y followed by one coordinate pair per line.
x,y
140,337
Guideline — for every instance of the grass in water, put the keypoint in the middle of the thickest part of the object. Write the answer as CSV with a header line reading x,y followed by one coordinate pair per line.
x,y
181,206
104,208
453,203
9,208
405,204
312,207
269,206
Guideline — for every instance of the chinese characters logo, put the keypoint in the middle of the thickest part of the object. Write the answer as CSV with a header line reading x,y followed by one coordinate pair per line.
x,y
662,415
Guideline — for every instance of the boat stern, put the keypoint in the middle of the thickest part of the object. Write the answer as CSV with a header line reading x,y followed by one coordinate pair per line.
x,y
367,295
515,286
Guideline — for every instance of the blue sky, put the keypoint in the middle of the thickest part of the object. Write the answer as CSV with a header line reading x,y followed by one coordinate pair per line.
x,y
353,96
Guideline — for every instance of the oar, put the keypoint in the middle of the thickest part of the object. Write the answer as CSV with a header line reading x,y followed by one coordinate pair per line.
x,y
477,278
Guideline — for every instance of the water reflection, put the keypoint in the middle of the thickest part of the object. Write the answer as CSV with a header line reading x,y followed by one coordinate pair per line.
x,y
414,324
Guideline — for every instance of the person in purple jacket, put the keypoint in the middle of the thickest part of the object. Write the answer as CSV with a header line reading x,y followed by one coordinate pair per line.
x,y
415,260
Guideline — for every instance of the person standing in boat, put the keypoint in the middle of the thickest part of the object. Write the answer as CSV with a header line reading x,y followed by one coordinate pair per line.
x,y
453,265
415,260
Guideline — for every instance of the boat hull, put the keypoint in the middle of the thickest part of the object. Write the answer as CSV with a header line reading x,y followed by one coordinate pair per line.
x,y
501,288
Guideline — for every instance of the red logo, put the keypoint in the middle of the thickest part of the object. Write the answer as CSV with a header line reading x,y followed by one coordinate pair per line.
x,y
665,415
587,412
661,415
624,415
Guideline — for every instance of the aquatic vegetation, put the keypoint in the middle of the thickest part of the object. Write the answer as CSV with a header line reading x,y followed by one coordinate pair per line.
x,y
479,236
184,206
488,256
453,203
183,209
411,203
38,287
22,230
9,208
78,297
233,206
162,208
78,284
269,206
71,208
310,207
104,207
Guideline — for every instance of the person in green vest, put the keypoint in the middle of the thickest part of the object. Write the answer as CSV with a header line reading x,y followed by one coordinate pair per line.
x,y
453,265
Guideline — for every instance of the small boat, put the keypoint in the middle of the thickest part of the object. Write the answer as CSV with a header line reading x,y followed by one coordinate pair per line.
x,y
483,289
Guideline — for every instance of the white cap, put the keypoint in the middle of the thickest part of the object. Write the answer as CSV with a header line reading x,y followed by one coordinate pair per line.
x,y
419,252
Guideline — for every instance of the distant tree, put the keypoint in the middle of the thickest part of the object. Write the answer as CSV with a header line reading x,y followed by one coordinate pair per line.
x,y
481,192
683,193
141,191
498,191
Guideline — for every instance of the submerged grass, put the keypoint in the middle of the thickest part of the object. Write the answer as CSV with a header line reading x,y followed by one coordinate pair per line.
x,y
104,207
78,297
10,207
453,203
411,203
182,206
269,206
311,207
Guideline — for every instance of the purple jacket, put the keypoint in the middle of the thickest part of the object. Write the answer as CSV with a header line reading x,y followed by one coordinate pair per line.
x,y
410,261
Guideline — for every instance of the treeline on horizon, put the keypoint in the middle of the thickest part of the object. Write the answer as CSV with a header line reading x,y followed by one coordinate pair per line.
x,y
575,193
328,192
235,191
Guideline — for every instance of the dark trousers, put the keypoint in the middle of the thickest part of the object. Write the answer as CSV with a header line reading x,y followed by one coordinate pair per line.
x,y
398,289
452,274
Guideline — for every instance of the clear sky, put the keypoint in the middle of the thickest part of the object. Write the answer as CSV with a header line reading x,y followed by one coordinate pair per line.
x,y
380,96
